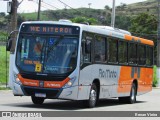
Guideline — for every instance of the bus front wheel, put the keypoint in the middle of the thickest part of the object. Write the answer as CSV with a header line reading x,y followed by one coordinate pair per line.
x,y
37,100
91,102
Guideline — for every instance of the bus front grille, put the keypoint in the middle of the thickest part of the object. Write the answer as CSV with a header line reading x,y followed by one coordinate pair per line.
x,y
50,93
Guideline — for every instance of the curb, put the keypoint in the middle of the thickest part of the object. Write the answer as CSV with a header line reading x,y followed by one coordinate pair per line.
x,y
156,87
4,86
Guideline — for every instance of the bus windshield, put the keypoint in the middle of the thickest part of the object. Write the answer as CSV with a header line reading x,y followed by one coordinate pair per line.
x,y
47,54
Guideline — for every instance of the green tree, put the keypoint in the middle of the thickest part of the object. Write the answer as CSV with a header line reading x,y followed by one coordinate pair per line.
x,y
122,22
144,23
91,21
20,19
2,14
107,7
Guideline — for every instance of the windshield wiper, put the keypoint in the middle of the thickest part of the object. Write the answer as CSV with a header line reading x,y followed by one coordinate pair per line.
x,y
42,51
55,44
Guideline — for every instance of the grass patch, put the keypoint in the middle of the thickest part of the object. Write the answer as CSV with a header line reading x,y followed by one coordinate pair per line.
x,y
33,16
3,64
3,36
155,79
4,88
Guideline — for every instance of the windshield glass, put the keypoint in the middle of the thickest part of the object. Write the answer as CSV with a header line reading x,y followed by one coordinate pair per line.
x,y
43,54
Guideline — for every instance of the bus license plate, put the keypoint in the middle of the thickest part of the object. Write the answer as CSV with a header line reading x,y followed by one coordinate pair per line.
x,y
40,95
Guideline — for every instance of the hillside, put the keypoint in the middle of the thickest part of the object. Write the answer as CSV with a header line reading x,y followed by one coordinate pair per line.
x,y
149,6
64,13
124,14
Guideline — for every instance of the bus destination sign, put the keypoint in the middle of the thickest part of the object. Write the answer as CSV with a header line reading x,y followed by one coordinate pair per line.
x,y
50,29
42,29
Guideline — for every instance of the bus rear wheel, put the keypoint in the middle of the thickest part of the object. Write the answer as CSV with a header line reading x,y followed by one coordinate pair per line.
x,y
130,99
37,100
92,101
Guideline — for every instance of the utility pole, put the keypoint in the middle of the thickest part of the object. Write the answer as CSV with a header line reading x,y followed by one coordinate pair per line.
x,y
113,14
158,45
14,7
39,10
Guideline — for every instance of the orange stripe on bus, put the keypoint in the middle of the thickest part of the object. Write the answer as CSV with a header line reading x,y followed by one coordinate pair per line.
x,y
137,39
51,84
28,82
144,77
145,41
125,80
128,37
47,84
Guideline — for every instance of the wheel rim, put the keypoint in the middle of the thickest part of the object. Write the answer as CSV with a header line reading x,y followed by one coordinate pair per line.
x,y
93,96
133,94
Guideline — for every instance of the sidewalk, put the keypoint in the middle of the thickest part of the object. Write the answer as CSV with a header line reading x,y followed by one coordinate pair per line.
x,y
3,87
156,87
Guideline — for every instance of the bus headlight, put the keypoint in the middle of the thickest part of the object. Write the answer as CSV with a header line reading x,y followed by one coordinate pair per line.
x,y
17,80
70,82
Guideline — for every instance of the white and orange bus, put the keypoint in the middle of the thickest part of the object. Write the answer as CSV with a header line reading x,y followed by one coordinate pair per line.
x,y
64,60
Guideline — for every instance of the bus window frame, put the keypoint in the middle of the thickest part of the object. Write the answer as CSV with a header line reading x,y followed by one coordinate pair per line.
x,y
111,38
132,64
152,55
126,42
83,46
108,52
144,46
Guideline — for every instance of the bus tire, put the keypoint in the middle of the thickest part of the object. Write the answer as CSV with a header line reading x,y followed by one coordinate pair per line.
x,y
130,99
37,100
92,101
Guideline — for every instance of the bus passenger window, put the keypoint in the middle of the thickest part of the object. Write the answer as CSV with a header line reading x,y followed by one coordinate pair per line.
x,y
122,52
141,55
99,50
112,44
149,56
86,47
132,53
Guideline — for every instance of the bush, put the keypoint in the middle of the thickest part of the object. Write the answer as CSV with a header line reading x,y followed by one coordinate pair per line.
x,y
155,79
3,36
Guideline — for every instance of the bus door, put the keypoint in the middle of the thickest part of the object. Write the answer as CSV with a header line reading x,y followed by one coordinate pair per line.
x,y
86,66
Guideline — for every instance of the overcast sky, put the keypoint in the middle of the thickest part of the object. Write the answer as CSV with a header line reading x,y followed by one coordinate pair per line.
x,y
32,6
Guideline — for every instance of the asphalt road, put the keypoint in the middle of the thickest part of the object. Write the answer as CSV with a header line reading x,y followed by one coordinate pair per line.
x,y
146,102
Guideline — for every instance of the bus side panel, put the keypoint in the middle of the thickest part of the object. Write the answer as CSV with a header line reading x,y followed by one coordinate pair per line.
x,y
149,78
125,81
84,83
141,80
128,74
108,76
145,80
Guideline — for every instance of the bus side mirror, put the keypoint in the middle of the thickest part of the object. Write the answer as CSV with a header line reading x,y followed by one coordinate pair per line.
x,y
9,44
10,40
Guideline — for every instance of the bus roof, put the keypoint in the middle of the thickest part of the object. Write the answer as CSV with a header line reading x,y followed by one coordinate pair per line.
x,y
103,30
